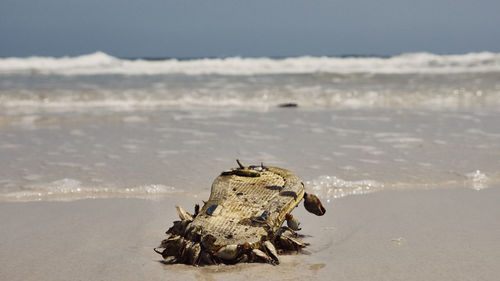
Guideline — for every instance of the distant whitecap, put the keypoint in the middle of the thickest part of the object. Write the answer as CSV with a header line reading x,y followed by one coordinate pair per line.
x,y
101,63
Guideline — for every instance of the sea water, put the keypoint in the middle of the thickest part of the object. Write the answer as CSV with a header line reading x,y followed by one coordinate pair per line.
x,y
97,126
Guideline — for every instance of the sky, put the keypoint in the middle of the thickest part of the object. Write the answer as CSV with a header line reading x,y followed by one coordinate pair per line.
x,y
250,28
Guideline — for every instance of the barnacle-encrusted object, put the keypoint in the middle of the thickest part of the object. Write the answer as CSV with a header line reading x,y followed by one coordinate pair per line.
x,y
241,222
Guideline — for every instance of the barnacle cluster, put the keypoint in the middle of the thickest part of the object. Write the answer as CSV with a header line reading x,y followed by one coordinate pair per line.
x,y
242,221
188,245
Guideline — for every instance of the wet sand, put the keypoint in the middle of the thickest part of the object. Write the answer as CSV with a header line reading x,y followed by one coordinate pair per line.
x,y
410,194
448,234
54,156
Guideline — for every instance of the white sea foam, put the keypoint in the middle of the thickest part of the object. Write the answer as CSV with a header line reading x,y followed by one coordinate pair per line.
x,y
71,189
101,63
331,187
112,100
477,180
30,93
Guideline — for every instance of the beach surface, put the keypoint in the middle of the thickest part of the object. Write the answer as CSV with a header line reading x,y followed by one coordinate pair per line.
x,y
89,200
450,234
404,152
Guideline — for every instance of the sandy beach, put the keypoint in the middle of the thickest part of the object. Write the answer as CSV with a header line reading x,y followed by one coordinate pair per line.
x,y
114,112
406,160
450,234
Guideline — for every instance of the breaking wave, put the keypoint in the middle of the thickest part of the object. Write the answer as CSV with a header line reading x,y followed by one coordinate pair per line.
x,y
101,63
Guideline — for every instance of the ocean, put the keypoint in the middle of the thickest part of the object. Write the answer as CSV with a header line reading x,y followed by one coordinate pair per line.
x,y
97,126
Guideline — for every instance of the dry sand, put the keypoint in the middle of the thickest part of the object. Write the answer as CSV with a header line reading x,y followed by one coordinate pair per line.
x,y
449,234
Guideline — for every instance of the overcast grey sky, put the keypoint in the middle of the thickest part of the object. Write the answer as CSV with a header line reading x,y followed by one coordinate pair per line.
x,y
184,28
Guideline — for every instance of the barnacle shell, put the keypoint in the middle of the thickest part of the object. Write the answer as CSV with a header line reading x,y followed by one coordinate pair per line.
x,y
260,255
208,242
271,250
207,258
292,222
288,241
183,214
172,245
313,204
193,251
178,228
229,252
